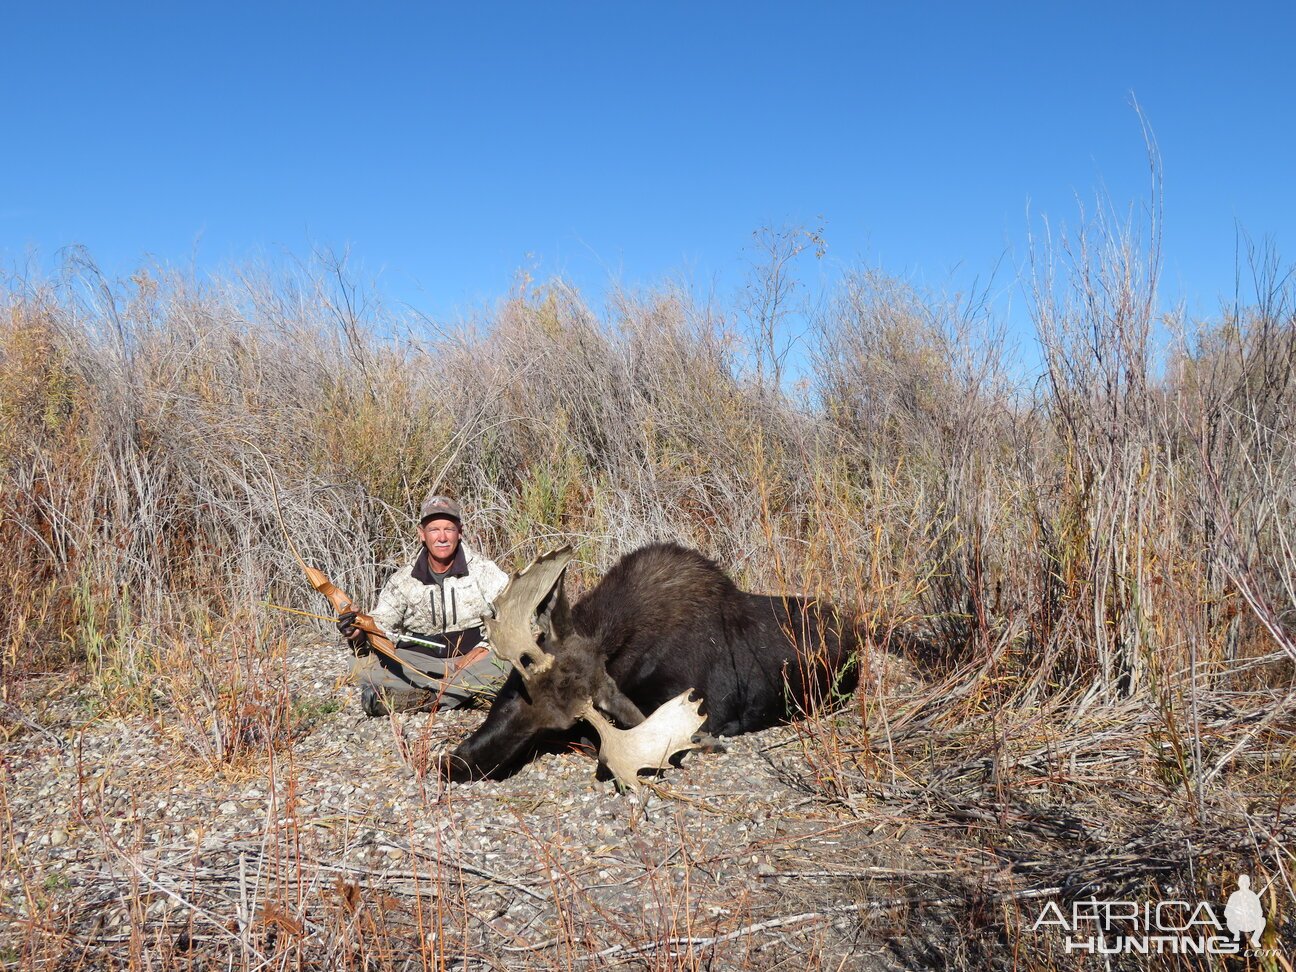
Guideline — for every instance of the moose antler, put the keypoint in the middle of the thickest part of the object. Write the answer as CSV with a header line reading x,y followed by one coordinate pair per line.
x,y
651,744
514,629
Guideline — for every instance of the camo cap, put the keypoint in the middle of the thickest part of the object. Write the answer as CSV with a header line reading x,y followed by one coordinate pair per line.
x,y
435,506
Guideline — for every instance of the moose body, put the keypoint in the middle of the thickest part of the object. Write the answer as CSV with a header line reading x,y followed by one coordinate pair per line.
x,y
663,621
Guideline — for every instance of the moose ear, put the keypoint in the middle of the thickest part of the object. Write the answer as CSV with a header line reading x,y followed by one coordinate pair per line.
x,y
553,617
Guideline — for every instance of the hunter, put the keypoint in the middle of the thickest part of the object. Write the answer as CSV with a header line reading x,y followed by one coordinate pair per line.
x,y
433,610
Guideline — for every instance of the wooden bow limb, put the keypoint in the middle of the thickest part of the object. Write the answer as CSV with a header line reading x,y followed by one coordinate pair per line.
x,y
374,635
362,621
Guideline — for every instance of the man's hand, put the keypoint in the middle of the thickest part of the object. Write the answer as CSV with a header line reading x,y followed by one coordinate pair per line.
x,y
358,640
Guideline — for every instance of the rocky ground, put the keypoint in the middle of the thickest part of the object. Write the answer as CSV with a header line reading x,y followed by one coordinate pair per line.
x,y
313,837
123,846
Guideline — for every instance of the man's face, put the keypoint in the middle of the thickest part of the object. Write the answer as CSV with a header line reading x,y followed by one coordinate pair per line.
x,y
441,537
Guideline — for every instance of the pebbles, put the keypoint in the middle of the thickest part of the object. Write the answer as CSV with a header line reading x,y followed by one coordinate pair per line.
x,y
346,802
55,838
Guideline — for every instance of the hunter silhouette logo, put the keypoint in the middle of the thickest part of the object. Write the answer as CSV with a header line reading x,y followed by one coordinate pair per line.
x,y
1243,913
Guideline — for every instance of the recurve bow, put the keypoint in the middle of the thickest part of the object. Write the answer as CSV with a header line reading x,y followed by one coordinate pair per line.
x,y
374,635
377,639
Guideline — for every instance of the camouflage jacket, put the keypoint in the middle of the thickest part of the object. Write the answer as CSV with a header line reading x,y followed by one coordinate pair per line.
x,y
410,606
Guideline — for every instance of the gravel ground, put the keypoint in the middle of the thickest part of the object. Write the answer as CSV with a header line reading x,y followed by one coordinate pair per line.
x,y
123,846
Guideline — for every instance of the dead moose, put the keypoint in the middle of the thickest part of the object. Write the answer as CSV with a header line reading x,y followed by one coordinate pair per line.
x,y
665,624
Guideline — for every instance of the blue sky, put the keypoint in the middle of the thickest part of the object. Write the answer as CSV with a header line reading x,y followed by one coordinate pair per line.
x,y
448,147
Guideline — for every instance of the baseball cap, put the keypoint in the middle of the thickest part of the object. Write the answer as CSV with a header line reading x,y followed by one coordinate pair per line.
x,y
436,505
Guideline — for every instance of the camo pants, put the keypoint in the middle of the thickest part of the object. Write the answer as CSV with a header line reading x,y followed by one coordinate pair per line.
x,y
428,681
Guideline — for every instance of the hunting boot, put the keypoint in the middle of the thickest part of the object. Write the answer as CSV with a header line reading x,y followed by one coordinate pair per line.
x,y
383,700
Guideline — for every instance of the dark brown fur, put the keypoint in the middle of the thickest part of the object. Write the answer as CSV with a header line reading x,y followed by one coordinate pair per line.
x,y
663,620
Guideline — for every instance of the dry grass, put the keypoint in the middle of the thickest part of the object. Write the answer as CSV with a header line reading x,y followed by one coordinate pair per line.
x,y
1092,576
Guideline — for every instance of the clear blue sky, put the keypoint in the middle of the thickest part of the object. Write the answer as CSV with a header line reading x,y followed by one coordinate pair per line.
x,y
449,146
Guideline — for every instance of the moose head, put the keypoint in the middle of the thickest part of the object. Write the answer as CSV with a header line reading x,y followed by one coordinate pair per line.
x,y
562,678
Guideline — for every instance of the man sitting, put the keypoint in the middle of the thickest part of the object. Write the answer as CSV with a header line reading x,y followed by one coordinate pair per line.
x,y
433,610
